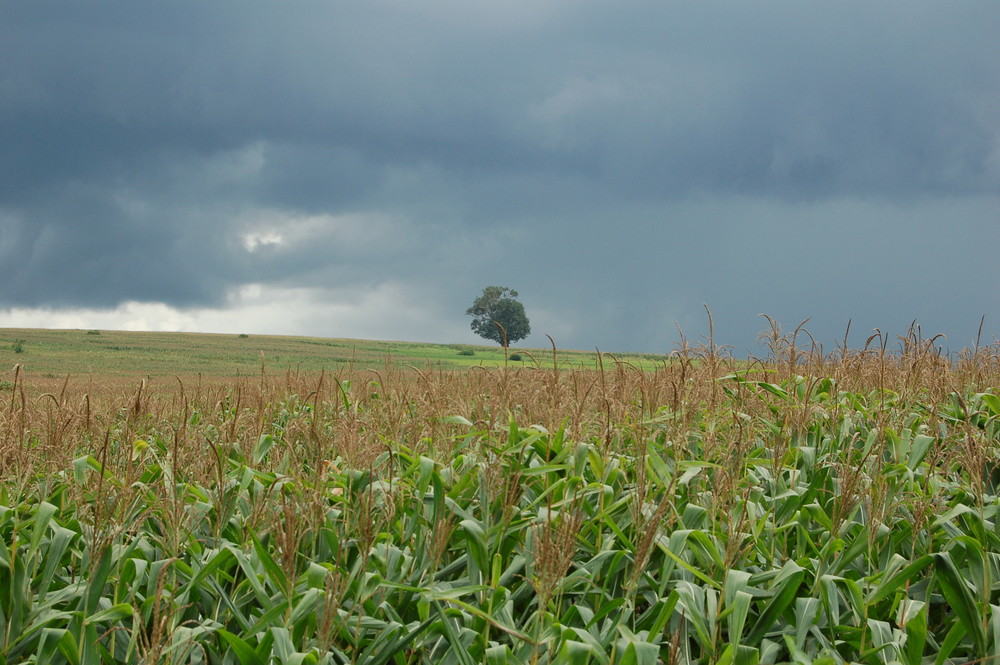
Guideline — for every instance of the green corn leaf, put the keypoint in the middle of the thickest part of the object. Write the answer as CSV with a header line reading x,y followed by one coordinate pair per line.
x,y
831,598
635,650
709,547
482,614
133,574
777,391
97,582
958,595
113,613
475,539
274,614
57,639
663,615
383,654
497,654
918,450
40,525
806,610
692,603
787,586
994,635
263,447
737,619
908,574
690,473
951,641
245,654
265,644
457,648
251,576
283,646
81,465
425,468
991,402
883,641
440,500
612,606
608,519
277,577
59,543
306,606
215,561
739,655
573,653
597,643
676,545
916,636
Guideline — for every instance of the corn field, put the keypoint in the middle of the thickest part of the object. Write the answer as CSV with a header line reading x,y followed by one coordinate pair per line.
x,y
803,508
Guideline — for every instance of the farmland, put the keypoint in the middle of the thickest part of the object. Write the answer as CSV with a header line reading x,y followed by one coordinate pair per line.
x,y
103,353
226,499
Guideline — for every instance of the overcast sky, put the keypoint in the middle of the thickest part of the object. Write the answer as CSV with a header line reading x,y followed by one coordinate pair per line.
x,y
363,168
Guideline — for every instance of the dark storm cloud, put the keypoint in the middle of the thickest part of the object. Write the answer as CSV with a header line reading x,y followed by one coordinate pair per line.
x,y
619,164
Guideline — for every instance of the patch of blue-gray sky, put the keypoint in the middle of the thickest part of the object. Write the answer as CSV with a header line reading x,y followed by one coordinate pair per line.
x,y
365,168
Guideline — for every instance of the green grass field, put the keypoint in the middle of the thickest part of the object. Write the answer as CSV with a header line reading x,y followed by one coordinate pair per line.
x,y
56,353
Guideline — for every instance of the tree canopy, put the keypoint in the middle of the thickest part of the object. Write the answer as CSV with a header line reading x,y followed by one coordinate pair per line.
x,y
499,316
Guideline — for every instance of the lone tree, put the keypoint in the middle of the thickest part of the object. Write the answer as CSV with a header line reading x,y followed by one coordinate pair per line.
x,y
499,316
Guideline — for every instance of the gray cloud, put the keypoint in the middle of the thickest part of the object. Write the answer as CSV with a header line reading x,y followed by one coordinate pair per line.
x,y
618,164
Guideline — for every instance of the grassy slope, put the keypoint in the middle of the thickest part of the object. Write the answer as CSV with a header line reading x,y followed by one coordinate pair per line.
x,y
57,353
